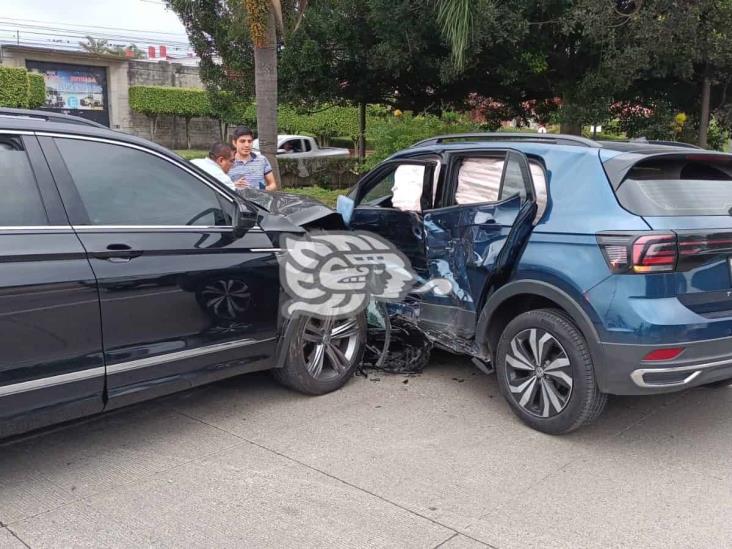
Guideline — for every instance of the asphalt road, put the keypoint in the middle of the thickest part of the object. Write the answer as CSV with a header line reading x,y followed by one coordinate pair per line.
x,y
425,461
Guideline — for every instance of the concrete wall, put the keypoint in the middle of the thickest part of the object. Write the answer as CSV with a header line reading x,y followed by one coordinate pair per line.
x,y
170,133
121,74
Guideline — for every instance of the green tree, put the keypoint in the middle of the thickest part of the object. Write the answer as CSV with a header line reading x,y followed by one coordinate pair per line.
x,y
665,55
237,43
362,52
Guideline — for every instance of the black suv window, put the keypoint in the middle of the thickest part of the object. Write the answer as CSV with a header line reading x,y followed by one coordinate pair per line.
x,y
21,204
123,186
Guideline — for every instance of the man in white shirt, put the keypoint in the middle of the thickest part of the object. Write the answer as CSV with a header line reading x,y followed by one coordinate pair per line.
x,y
219,161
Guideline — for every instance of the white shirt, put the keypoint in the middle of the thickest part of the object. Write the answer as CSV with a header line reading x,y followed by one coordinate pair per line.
x,y
212,168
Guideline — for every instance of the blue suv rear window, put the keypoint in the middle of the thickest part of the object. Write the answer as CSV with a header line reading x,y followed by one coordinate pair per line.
x,y
677,187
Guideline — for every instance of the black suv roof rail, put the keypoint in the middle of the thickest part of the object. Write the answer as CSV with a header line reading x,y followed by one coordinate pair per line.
x,y
48,116
549,138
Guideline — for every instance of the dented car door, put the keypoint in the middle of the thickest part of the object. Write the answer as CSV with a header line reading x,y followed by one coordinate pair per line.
x,y
390,201
473,237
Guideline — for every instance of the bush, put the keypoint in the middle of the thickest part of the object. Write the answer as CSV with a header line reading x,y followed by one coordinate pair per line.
x,y
154,101
14,87
325,173
394,133
191,154
717,137
36,90
163,100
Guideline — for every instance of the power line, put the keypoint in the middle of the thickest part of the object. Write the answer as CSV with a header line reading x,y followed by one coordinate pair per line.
x,y
39,31
23,21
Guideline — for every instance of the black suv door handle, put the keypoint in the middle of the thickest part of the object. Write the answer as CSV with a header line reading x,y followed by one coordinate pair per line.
x,y
118,253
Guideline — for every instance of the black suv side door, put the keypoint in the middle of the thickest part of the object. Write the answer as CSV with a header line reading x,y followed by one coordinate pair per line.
x,y
51,363
183,300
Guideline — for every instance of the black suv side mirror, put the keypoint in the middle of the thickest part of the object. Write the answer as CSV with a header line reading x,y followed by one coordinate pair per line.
x,y
244,219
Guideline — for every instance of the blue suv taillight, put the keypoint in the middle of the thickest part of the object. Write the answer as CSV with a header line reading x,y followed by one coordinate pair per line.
x,y
639,253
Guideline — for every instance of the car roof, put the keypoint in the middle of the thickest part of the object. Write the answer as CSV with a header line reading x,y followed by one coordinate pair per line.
x,y
59,123
516,139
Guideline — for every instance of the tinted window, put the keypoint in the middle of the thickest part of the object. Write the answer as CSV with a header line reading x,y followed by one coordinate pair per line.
x,y
307,145
21,203
380,189
123,186
677,187
513,180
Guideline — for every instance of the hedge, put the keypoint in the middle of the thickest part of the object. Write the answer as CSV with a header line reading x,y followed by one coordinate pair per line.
x,y
163,100
154,101
14,87
36,90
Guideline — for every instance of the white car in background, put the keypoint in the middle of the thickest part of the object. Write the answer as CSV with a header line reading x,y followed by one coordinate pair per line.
x,y
304,146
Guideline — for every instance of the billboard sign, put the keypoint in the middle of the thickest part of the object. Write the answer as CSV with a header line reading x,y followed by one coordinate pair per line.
x,y
74,89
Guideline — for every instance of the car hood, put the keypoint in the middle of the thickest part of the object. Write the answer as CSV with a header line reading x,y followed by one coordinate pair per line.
x,y
297,209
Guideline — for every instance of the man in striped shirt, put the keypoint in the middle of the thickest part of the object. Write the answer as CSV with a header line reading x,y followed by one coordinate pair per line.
x,y
253,168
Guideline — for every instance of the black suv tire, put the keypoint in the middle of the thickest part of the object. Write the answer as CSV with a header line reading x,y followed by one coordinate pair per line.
x,y
545,372
346,347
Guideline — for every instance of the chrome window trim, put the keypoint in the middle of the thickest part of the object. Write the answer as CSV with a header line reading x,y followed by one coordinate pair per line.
x,y
160,228
52,381
16,132
181,355
45,228
139,148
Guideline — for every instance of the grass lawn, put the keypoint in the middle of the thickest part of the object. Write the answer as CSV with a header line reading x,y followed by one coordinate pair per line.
x,y
191,154
326,196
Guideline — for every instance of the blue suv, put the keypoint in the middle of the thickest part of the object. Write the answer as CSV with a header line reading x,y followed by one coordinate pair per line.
x,y
579,268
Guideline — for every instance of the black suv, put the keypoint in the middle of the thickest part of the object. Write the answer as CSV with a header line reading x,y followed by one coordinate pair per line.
x,y
127,273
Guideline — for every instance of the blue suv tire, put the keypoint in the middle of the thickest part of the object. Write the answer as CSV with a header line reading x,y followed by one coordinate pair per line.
x,y
546,374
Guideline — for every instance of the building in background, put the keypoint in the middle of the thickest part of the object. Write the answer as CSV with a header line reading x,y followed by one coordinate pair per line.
x,y
96,86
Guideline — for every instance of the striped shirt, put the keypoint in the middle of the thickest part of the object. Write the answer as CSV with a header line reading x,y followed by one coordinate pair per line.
x,y
253,170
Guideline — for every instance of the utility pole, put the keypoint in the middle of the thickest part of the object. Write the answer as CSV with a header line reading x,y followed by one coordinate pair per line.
x,y
17,37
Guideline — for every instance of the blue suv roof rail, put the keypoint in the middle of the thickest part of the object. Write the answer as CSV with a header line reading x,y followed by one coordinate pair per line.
x,y
48,116
548,138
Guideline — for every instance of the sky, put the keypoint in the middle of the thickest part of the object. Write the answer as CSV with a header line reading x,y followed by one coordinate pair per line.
x,y
63,23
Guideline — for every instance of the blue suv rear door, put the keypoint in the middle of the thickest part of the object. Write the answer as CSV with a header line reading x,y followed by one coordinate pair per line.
x,y
475,233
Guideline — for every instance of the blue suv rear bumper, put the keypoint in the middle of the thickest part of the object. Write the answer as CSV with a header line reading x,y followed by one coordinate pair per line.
x,y
622,370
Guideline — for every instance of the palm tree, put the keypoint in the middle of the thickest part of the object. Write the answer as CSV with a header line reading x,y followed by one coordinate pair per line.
x,y
92,45
455,18
265,17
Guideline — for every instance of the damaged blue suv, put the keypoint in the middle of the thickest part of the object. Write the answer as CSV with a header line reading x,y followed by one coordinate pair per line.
x,y
579,268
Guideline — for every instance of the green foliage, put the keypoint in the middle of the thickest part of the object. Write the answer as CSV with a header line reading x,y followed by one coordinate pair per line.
x,y
14,87
392,134
326,196
160,100
36,90
718,137
329,173
455,18
190,154
324,122
219,33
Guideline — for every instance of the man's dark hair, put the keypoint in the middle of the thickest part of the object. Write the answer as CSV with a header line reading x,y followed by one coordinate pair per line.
x,y
220,149
242,130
